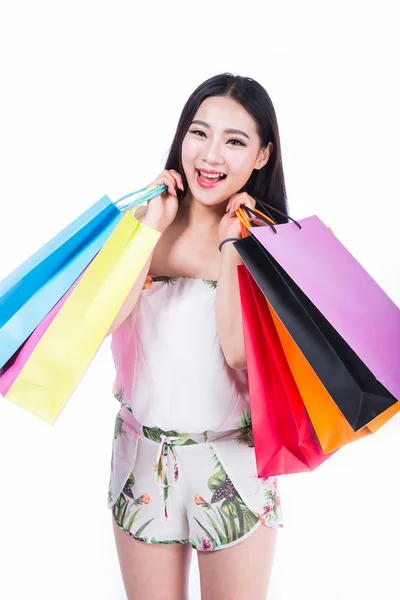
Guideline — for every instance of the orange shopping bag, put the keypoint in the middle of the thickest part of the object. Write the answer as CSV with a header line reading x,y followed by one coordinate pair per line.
x,y
332,429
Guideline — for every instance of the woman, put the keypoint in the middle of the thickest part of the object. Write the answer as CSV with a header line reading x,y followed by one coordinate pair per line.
x,y
183,470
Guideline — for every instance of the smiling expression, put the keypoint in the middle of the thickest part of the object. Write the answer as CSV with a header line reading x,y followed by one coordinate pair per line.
x,y
222,139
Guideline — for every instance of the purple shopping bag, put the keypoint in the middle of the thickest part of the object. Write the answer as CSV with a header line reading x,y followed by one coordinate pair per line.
x,y
342,290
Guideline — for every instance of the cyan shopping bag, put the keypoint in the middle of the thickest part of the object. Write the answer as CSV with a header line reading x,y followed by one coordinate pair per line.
x,y
33,289
13,367
61,356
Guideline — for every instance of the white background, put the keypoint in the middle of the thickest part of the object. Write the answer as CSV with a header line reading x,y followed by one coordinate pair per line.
x,y
90,97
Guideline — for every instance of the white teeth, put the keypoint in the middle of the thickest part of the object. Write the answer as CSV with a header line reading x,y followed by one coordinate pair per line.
x,y
211,175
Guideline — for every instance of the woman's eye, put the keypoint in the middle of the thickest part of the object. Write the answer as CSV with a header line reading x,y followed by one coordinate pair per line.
x,y
196,131
238,141
230,140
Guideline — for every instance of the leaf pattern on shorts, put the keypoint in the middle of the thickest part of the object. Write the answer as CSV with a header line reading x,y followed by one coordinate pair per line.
x,y
229,519
155,433
272,510
212,283
245,435
165,279
125,508
119,394
119,427
155,541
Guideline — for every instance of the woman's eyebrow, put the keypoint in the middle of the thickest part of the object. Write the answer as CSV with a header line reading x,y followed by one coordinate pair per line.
x,y
226,130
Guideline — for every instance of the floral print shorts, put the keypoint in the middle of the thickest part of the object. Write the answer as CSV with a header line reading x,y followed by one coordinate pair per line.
x,y
181,491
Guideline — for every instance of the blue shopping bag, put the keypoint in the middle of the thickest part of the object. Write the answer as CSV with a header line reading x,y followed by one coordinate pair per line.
x,y
29,293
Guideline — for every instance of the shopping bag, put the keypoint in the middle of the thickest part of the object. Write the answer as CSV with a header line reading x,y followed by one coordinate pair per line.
x,y
12,368
350,383
72,339
284,439
332,429
32,290
351,301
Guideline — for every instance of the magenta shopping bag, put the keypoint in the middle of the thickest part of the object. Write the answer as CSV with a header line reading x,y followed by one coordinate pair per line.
x,y
342,290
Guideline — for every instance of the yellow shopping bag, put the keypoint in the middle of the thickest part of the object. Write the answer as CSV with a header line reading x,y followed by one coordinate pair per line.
x,y
63,354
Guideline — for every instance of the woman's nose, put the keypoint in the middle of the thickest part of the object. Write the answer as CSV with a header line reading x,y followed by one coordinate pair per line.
x,y
214,153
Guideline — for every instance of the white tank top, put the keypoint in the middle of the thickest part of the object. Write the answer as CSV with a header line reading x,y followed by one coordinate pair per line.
x,y
171,371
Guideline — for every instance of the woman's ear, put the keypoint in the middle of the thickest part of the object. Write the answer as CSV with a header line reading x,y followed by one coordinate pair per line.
x,y
264,155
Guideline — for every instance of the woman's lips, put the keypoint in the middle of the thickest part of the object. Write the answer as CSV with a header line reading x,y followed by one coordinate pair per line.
x,y
208,183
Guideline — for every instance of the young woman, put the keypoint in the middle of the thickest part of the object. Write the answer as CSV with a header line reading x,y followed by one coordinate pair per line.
x,y
183,470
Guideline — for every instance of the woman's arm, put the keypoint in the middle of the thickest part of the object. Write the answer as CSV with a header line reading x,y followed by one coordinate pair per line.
x,y
159,216
228,311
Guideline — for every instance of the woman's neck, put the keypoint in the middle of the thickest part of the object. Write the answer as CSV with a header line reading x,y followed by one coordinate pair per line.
x,y
197,217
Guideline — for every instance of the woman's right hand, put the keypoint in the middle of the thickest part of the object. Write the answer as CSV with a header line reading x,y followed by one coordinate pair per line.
x,y
162,209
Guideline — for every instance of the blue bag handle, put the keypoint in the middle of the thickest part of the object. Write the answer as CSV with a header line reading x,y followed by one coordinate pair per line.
x,y
150,193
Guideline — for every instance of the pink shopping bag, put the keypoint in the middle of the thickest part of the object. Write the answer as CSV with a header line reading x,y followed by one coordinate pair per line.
x,y
342,290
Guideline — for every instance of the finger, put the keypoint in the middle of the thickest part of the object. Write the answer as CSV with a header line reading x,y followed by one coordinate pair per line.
x,y
235,205
249,201
170,182
176,177
179,179
167,179
243,200
232,203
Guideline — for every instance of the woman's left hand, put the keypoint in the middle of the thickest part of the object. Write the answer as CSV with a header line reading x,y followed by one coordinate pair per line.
x,y
230,224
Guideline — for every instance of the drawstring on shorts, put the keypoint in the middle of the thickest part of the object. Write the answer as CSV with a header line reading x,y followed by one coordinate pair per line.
x,y
161,469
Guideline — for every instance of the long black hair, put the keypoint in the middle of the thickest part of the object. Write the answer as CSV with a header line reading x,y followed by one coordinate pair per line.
x,y
265,185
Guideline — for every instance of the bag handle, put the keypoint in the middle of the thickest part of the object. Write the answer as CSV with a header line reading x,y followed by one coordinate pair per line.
x,y
245,219
246,225
155,190
149,193
264,204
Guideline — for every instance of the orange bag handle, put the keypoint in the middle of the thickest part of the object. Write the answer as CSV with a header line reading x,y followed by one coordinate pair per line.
x,y
243,230
243,218
245,221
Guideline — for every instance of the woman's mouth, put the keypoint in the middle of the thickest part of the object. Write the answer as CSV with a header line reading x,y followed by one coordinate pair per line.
x,y
208,181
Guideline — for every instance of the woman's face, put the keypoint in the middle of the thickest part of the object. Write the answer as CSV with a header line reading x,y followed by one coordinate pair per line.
x,y
211,145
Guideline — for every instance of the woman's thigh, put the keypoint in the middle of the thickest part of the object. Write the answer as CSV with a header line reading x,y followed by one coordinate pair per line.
x,y
153,570
241,571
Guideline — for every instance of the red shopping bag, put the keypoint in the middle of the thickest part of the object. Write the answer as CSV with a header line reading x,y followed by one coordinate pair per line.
x,y
284,438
